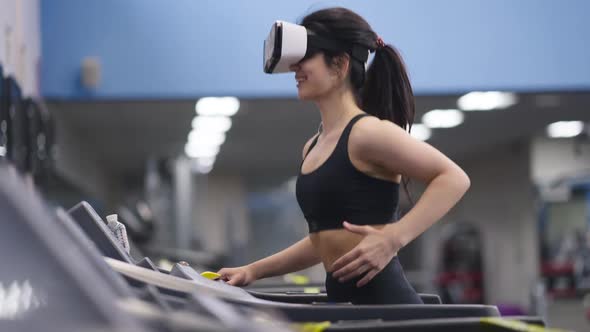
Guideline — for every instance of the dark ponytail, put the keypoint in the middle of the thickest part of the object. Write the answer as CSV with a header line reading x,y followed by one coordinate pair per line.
x,y
384,90
387,93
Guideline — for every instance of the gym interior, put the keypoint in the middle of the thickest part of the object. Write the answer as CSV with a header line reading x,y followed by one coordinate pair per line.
x,y
159,112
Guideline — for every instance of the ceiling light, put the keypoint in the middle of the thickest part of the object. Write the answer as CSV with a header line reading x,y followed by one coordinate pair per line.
x,y
486,101
211,123
206,138
201,151
565,129
203,169
421,132
443,118
205,161
203,165
226,106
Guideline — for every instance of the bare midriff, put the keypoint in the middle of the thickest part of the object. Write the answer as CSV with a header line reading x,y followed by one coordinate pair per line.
x,y
334,243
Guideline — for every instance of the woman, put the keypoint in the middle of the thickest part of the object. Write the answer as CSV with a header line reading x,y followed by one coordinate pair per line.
x,y
351,171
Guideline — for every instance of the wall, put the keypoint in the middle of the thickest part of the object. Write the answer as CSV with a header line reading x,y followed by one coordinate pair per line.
x,y
20,42
82,167
502,204
553,159
187,49
221,225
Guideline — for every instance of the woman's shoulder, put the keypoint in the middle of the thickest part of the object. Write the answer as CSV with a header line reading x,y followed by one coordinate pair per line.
x,y
371,127
370,131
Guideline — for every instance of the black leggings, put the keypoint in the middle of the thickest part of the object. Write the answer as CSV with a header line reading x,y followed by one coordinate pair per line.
x,y
389,286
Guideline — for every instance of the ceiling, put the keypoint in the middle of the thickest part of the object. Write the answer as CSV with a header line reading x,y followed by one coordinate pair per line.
x,y
267,135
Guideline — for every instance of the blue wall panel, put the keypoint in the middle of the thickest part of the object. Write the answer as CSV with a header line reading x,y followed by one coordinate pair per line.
x,y
189,48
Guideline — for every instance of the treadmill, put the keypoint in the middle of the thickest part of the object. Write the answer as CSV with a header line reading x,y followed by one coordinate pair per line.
x,y
169,310
57,282
47,285
97,230
55,279
334,324
459,324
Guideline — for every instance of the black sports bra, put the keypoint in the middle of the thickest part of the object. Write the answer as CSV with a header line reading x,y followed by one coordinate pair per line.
x,y
337,191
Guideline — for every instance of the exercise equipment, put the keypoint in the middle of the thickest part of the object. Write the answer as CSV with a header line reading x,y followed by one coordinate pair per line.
x,y
65,284
58,281
16,145
39,139
96,229
4,118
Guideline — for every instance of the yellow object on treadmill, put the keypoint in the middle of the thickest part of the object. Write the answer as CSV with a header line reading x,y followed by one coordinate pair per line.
x,y
311,290
312,327
211,275
515,325
296,279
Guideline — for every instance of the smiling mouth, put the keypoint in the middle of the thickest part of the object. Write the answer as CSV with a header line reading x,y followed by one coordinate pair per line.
x,y
300,79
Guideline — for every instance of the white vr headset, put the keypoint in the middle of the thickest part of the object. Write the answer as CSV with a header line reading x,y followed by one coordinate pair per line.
x,y
288,44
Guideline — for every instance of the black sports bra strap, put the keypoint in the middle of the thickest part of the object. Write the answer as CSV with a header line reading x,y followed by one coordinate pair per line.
x,y
357,117
343,142
344,134
315,140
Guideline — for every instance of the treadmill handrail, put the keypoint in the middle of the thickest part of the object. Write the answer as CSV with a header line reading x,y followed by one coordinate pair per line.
x,y
304,312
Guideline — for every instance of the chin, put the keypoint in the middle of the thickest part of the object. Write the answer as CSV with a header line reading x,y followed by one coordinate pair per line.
x,y
304,94
301,94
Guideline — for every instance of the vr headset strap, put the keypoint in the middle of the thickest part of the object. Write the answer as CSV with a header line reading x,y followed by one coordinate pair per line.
x,y
358,52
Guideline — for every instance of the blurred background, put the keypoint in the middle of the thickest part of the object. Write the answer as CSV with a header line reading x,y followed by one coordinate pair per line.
x,y
160,111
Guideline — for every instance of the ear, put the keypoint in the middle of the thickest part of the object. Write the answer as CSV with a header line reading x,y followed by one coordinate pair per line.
x,y
345,65
340,65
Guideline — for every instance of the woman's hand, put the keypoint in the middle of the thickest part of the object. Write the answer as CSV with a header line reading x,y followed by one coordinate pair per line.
x,y
370,256
238,276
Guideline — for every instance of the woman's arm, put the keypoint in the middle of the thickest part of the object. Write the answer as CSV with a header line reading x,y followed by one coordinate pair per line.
x,y
386,146
299,256
441,194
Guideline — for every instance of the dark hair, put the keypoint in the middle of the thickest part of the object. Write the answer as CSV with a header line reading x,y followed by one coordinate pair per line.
x,y
384,90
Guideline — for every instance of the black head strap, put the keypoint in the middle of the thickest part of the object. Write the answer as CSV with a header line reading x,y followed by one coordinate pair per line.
x,y
315,42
